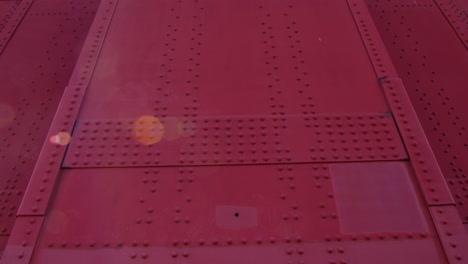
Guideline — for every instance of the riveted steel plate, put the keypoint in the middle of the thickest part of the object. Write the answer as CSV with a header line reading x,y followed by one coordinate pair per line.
x,y
200,60
12,20
204,131
207,212
459,190
36,61
433,65
22,241
235,140
423,160
385,252
45,173
6,11
451,232
455,11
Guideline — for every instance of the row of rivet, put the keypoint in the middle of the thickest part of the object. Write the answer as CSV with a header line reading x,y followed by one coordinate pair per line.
x,y
13,23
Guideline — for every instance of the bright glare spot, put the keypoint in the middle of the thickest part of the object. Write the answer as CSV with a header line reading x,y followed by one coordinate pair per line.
x,y
148,130
7,115
62,138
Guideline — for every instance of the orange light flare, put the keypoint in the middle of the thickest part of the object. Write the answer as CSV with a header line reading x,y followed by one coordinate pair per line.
x,y
148,130
61,138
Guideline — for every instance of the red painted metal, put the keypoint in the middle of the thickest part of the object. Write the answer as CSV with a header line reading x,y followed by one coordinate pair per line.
x,y
451,232
43,39
234,140
455,11
432,63
208,131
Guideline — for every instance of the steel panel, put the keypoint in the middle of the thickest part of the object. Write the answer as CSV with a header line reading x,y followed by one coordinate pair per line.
x,y
172,213
235,131
6,11
433,65
372,196
3,243
455,11
385,252
234,140
13,21
22,241
195,76
425,165
193,205
460,195
32,81
45,172
451,232
389,252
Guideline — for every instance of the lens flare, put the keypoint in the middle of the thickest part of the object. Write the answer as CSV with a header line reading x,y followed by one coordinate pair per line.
x,y
7,115
62,138
148,130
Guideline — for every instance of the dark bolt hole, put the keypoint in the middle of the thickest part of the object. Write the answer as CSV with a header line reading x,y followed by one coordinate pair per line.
x,y
236,214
